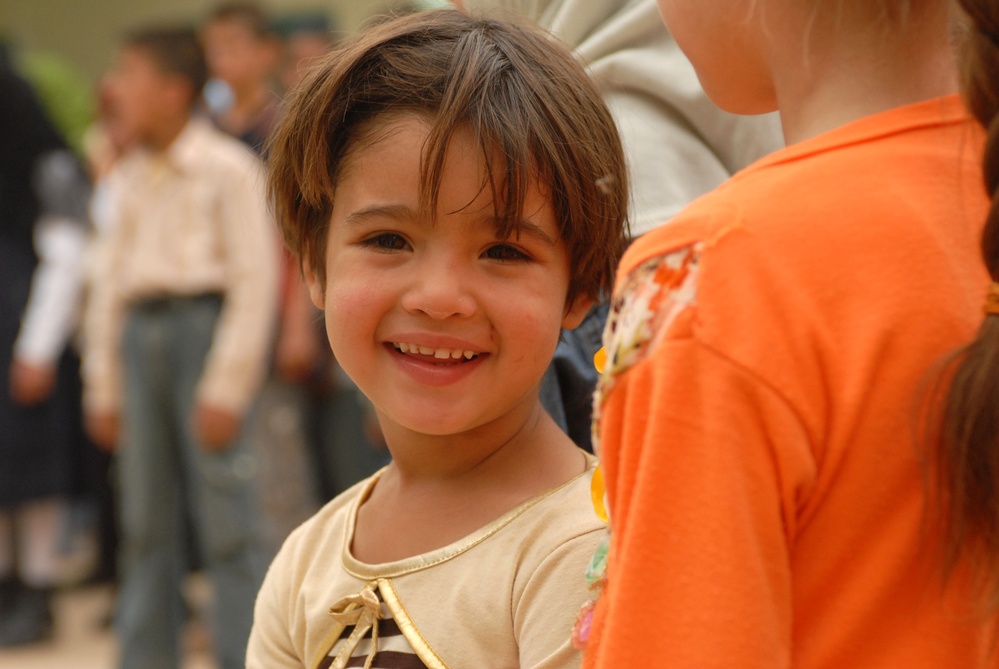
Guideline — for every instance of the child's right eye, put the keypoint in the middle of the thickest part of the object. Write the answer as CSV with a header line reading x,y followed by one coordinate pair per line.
x,y
387,241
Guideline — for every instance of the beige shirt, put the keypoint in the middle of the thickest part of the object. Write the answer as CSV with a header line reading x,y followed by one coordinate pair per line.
x,y
189,220
503,597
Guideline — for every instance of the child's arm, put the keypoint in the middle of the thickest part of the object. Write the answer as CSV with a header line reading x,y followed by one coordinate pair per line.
x,y
102,324
60,240
300,347
270,643
239,355
703,506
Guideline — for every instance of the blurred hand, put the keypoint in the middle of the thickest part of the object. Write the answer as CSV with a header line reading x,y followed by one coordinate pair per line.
x,y
31,384
215,427
102,427
300,346
297,354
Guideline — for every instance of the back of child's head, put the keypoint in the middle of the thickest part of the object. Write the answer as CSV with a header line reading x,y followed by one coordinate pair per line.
x,y
173,51
530,106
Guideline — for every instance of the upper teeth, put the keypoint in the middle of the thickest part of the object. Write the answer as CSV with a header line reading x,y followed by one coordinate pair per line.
x,y
441,353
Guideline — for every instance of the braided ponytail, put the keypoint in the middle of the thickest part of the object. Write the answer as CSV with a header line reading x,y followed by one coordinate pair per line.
x,y
969,445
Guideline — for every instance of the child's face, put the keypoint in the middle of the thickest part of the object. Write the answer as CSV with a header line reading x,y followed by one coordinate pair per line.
x,y
301,53
726,42
237,56
444,326
141,96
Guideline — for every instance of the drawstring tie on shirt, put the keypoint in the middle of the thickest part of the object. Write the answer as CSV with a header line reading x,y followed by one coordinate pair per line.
x,y
363,611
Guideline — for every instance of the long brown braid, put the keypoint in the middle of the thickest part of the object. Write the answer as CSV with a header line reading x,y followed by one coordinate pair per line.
x,y
969,445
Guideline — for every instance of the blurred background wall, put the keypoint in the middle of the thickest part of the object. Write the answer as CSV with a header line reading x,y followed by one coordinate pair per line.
x,y
85,33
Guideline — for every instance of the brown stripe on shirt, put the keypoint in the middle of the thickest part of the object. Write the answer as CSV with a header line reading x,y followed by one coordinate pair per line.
x,y
386,627
388,659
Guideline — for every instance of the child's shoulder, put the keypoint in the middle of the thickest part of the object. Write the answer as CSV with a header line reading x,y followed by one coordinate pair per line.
x,y
573,498
323,533
847,182
561,517
214,150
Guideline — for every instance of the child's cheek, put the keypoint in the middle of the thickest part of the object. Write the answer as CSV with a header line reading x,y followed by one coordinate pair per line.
x,y
346,302
355,306
537,326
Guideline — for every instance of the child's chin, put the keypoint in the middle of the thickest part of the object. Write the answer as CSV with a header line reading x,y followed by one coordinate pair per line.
x,y
435,422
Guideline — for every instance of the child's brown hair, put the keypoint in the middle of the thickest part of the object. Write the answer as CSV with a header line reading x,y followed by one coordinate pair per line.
x,y
969,441
174,51
248,14
531,107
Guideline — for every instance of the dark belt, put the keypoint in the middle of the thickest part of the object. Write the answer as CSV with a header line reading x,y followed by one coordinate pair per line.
x,y
166,302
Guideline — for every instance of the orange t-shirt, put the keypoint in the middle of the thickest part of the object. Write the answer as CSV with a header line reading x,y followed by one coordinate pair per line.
x,y
758,410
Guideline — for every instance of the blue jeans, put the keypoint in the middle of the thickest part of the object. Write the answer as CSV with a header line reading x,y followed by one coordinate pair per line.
x,y
163,476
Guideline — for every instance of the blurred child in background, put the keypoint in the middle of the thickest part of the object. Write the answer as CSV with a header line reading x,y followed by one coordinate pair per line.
x,y
176,338
243,52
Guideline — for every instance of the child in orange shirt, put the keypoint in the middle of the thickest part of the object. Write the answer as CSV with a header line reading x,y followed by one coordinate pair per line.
x,y
456,191
766,350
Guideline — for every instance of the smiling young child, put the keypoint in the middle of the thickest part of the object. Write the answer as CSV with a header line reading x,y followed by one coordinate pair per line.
x,y
456,191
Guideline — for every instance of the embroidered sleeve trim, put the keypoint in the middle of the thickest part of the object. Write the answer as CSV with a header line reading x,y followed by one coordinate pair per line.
x,y
647,303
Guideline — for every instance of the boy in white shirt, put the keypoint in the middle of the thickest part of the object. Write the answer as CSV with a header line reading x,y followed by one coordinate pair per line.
x,y
176,336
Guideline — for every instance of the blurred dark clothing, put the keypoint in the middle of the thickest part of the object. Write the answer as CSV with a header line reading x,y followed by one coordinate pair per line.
x,y
38,444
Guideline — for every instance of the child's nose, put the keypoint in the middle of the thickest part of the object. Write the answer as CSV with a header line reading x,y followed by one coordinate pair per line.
x,y
440,290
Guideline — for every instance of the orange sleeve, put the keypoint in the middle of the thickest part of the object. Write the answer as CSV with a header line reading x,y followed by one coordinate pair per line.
x,y
704,464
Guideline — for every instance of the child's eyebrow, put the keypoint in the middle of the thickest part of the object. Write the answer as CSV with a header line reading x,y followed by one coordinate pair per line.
x,y
393,211
402,212
532,230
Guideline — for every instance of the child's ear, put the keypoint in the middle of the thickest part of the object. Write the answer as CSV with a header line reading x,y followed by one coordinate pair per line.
x,y
576,311
312,282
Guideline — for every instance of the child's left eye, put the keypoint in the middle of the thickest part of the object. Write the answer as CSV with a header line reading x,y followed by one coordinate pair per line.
x,y
506,253
386,241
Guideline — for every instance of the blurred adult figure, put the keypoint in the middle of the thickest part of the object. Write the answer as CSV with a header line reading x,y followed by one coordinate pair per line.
x,y
43,230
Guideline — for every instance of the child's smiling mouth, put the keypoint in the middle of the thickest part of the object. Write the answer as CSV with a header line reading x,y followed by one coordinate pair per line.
x,y
435,355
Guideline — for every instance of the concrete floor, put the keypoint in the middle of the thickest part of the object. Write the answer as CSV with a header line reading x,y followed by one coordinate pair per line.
x,y
84,641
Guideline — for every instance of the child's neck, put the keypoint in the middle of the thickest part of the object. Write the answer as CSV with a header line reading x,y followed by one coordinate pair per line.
x,y
452,457
467,482
248,100
866,72
166,133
